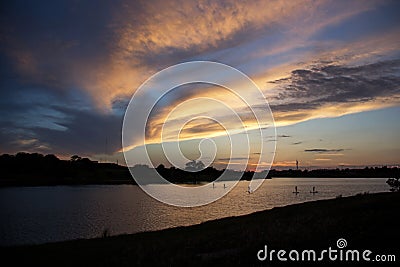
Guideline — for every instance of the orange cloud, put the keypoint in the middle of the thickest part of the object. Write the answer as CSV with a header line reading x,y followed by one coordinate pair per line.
x,y
153,35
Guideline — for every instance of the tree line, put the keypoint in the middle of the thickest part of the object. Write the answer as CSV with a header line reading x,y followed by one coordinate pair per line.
x,y
37,169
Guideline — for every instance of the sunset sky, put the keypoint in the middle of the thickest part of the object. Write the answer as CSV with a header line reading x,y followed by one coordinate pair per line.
x,y
330,71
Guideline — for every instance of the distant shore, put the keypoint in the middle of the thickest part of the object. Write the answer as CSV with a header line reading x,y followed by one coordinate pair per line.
x,y
33,169
366,221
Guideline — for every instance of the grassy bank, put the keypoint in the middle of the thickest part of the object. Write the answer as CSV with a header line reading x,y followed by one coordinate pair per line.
x,y
365,221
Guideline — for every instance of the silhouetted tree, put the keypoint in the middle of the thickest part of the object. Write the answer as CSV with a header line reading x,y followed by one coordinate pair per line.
x,y
51,158
394,183
75,158
160,167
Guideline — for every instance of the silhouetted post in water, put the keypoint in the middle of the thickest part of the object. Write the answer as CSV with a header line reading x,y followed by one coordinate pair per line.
x,y
297,164
224,186
213,185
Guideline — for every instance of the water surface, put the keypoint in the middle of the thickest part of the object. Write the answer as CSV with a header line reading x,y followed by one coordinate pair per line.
x,y
54,213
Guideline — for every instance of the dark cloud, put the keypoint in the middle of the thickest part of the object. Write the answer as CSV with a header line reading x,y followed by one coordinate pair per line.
x,y
86,132
48,43
286,107
323,150
51,123
44,47
329,84
297,143
280,135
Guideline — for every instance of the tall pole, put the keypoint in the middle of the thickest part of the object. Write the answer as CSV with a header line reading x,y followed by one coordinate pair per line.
x,y
105,150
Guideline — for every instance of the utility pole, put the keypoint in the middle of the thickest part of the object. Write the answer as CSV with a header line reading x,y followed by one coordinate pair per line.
x,y
105,149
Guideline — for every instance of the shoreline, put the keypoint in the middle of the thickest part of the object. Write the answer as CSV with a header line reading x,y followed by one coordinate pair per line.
x,y
30,169
365,221
12,183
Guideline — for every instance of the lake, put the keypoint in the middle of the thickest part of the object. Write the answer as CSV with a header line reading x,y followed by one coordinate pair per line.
x,y
32,215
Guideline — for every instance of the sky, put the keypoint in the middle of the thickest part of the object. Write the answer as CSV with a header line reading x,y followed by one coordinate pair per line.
x,y
330,71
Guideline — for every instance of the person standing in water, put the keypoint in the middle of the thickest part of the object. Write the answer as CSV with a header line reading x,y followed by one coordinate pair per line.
x,y
295,190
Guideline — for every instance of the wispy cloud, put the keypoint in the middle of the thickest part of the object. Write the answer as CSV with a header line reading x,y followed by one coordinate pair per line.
x,y
323,150
235,158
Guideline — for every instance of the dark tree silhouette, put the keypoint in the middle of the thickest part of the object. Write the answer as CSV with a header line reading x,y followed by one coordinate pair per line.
x,y
37,169
75,158
394,184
